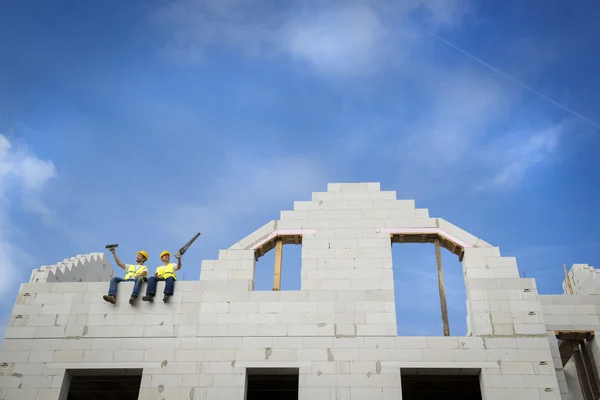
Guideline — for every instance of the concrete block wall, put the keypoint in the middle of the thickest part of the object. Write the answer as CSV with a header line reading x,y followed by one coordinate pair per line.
x,y
566,313
585,279
196,347
93,267
576,312
339,329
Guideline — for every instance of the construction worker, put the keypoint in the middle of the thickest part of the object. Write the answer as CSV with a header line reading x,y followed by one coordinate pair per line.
x,y
137,273
165,272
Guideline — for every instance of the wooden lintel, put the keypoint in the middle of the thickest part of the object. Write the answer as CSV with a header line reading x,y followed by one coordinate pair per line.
x,y
576,335
423,238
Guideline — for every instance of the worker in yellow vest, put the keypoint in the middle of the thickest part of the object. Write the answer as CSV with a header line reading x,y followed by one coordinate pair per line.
x,y
165,272
134,272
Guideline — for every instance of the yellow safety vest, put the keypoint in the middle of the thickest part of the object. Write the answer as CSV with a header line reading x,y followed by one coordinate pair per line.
x,y
166,271
133,270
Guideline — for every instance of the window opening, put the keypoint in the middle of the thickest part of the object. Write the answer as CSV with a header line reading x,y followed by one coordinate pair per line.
x,y
114,384
421,272
271,256
272,383
574,348
443,383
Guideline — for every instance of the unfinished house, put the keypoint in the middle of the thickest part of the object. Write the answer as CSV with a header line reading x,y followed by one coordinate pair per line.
x,y
335,338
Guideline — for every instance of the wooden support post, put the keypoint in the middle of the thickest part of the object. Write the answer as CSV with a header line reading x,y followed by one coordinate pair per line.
x,y
438,259
568,279
581,373
278,259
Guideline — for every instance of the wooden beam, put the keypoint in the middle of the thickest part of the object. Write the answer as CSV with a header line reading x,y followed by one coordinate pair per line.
x,y
278,259
568,279
438,259
574,335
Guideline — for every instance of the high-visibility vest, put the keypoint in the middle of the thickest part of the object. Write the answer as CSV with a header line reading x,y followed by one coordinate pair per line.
x,y
166,271
133,270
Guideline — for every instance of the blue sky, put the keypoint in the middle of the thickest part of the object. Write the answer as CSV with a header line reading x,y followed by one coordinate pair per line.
x,y
143,122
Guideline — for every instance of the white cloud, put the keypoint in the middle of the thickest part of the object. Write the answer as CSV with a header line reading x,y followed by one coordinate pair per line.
x,y
335,37
461,104
472,128
515,154
346,40
20,171
23,167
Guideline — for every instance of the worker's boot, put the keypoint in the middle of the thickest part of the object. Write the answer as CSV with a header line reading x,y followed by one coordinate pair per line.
x,y
110,298
132,299
148,297
166,298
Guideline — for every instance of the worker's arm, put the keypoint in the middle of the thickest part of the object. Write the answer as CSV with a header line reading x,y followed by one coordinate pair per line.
x,y
178,261
142,274
119,263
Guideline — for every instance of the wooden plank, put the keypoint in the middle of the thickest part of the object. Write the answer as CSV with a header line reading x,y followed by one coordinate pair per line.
x,y
429,238
438,259
278,260
574,335
568,279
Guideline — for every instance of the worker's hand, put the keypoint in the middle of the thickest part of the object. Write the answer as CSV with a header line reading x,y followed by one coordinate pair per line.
x,y
112,250
156,274
178,256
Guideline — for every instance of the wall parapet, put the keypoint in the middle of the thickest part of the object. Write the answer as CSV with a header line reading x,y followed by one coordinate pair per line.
x,y
92,267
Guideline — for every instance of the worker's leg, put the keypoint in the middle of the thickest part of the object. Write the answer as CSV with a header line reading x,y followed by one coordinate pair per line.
x,y
137,286
169,287
111,297
151,288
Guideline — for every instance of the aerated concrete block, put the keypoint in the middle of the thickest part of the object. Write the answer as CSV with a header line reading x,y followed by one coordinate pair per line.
x,y
339,330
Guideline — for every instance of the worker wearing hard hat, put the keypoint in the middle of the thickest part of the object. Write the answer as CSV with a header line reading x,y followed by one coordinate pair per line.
x,y
165,272
137,273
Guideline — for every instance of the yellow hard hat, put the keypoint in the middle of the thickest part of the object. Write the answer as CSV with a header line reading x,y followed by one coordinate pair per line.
x,y
143,253
164,252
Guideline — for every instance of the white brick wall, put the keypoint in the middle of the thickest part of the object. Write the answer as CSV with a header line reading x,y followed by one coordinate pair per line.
x,y
339,329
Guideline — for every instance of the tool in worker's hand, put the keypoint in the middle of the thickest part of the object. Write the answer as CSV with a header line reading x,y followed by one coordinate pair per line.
x,y
111,246
188,244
